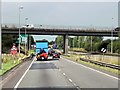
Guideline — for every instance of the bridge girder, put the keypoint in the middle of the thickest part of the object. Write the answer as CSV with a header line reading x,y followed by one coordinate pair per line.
x,y
37,31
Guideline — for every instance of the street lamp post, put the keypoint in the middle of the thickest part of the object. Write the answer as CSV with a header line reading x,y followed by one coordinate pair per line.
x,y
73,42
91,38
91,43
20,7
29,43
78,42
25,33
112,40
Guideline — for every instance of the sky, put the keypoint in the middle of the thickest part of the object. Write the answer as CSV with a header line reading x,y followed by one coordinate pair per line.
x,y
88,13
61,0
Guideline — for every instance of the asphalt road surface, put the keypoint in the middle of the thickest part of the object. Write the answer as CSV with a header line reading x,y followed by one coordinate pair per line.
x,y
64,74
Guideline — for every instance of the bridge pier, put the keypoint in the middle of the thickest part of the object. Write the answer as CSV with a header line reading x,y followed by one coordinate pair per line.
x,y
0,47
65,38
28,42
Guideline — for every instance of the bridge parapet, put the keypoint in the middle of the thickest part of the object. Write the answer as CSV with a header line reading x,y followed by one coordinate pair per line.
x,y
61,27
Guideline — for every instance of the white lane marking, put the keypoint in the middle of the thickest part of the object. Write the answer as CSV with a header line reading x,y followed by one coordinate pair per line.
x,y
70,80
93,69
64,74
23,76
74,84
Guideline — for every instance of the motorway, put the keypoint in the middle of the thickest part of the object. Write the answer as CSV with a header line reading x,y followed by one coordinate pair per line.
x,y
63,73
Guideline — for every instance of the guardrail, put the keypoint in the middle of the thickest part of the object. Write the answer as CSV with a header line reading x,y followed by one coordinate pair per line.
x,y
118,55
29,57
102,63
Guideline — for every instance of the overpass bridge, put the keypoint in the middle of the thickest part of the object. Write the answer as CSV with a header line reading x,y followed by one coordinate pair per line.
x,y
57,31
65,32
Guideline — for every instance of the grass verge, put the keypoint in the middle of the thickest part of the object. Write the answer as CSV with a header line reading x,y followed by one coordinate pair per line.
x,y
7,66
8,62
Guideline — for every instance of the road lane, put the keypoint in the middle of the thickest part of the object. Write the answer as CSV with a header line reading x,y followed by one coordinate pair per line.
x,y
44,74
64,74
85,77
13,76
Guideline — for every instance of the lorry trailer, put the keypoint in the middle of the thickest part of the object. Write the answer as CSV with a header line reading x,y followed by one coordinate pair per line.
x,y
42,49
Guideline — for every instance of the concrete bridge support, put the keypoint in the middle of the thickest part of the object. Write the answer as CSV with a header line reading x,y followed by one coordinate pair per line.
x,y
0,47
28,42
65,38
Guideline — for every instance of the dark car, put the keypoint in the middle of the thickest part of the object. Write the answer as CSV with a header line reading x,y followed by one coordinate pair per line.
x,y
50,52
117,29
56,55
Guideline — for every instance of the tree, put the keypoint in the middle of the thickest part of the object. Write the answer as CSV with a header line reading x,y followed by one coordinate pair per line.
x,y
59,42
96,42
70,42
87,46
75,42
104,44
32,40
81,41
51,42
119,35
116,46
7,42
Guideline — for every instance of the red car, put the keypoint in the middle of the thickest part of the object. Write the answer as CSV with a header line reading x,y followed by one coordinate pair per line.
x,y
56,55
42,55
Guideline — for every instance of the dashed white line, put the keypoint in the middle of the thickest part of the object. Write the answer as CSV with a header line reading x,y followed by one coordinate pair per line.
x,y
70,80
78,88
74,84
64,74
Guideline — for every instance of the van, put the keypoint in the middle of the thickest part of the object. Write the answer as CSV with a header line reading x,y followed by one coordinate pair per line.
x,y
28,26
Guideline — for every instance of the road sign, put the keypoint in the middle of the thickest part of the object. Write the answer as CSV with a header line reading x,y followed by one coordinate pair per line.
x,y
14,50
103,50
23,35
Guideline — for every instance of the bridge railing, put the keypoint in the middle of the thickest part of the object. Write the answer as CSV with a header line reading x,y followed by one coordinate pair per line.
x,y
98,28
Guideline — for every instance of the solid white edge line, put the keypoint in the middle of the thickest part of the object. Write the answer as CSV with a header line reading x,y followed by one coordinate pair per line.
x,y
92,69
23,75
